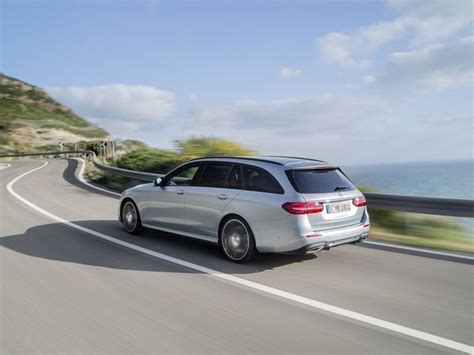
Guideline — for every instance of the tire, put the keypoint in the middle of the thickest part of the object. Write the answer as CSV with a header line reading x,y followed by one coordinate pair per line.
x,y
131,218
237,240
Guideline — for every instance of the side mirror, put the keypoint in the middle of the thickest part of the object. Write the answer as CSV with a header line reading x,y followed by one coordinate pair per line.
x,y
158,181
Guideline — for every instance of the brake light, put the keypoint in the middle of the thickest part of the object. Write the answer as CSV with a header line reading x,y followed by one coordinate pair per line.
x,y
359,201
303,207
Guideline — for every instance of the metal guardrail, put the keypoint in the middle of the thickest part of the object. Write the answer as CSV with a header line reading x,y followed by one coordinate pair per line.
x,y
132,174
424,205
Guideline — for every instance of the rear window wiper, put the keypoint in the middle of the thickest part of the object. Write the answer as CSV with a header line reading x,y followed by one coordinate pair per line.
x,y
338,188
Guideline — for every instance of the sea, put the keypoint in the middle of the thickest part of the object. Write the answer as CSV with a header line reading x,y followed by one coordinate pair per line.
x,y
448,179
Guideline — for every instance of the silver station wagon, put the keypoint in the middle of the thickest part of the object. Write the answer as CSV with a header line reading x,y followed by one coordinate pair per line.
x,y
252,204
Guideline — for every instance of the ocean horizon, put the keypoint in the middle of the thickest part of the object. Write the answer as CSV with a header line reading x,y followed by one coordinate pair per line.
x,y
447,179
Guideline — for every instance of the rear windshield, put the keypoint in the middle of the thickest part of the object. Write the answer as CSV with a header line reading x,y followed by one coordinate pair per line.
x,y
316,181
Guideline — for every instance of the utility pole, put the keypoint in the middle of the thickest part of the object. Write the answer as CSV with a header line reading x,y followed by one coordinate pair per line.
x,y
113,150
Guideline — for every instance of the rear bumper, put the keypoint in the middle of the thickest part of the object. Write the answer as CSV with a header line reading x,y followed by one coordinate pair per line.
x,y
315,247
296,235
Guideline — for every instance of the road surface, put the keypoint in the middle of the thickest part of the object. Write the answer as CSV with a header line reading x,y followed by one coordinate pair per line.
x,y
65,290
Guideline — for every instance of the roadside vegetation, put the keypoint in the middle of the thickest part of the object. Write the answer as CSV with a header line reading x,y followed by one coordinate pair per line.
x,y
161,161
419,230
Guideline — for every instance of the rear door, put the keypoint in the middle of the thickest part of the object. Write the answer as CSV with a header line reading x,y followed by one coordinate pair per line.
x,y
334,190
218,184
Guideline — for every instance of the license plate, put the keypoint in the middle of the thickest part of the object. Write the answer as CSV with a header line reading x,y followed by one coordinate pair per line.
x,y
338,207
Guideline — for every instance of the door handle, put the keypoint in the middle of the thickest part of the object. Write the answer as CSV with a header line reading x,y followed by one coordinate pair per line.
x,y
180,192
222,197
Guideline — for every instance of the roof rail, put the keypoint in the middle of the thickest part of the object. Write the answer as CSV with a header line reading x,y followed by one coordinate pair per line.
x,y
285,156
243,158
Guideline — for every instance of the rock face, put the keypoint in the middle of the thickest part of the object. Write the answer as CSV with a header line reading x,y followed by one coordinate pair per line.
x,y
31,120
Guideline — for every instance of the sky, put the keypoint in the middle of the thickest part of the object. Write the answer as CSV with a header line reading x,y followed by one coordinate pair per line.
x,y
352,82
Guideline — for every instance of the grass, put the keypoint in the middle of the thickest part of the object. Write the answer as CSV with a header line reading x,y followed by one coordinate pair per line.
x,y
14,114
109,181
462,246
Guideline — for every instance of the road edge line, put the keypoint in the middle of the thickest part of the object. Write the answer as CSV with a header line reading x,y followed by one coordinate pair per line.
x,y
419,250
81,178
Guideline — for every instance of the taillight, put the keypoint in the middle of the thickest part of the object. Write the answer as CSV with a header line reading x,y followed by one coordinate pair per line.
x,y
303,207
359,201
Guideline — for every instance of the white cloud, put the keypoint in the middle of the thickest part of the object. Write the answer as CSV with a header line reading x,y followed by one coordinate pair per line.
x,y
290,72
325,113
345,129
422,22
310,126
193,98
438,28
369,79
351,86
338,48
117,102
352,49
431,68
432,7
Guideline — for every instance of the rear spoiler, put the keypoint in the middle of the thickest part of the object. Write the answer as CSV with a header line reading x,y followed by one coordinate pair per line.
x,y
314,167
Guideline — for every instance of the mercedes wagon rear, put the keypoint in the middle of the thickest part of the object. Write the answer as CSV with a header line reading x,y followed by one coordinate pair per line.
x,y
333,211
252,204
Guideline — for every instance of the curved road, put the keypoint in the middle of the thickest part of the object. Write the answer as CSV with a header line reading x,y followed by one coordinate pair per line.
x,y
64,290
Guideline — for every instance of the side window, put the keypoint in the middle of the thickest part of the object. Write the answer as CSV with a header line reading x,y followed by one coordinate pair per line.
x,y
214,175
234,179
257,179
183,176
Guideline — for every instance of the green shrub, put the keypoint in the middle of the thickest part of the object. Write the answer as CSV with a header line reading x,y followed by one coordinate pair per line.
x,y
150,160
161,161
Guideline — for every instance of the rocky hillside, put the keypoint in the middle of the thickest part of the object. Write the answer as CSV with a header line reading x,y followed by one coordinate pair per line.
x,y
31,120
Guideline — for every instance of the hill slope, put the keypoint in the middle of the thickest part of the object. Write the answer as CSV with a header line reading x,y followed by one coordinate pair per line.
x,y
31,120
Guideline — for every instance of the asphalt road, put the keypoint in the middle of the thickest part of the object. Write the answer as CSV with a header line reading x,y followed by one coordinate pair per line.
x,y
67,291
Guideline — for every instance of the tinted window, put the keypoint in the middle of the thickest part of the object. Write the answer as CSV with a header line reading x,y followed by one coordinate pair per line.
x,y
257,179
183,176
234,180
214,175
319,181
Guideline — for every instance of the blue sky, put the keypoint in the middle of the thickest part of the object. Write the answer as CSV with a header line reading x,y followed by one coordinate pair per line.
x,y
352,82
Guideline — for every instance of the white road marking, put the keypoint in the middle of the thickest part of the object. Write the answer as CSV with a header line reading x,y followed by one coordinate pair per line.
x,y
420,250
4,165
431,338
80,177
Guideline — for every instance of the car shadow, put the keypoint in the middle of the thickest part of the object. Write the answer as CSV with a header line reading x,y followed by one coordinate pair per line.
x,y
59,242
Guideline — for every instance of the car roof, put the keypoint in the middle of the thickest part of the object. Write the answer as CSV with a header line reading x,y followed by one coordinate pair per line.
x,y
285,161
